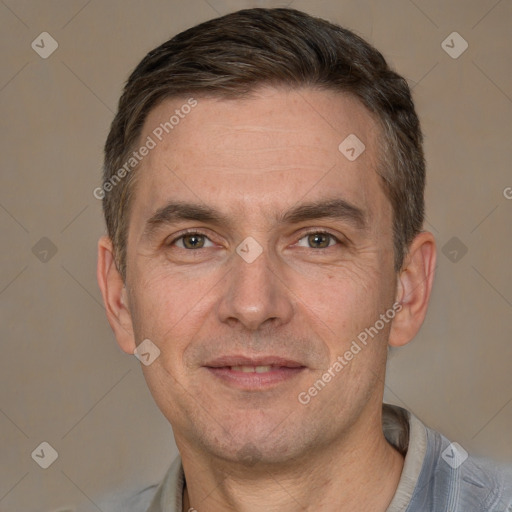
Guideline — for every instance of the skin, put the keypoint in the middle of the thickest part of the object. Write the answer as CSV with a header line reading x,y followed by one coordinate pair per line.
x,y
253,159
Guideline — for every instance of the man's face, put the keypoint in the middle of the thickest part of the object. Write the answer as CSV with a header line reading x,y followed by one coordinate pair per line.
x,y
253,165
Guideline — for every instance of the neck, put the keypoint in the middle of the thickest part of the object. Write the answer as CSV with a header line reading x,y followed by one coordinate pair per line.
x,y
359,473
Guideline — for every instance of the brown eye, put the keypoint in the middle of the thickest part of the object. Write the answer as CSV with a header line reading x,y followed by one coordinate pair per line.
x,y
318,240
191,241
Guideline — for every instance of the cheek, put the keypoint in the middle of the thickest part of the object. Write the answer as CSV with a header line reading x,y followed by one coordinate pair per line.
x,y
157,305
171,310
344,298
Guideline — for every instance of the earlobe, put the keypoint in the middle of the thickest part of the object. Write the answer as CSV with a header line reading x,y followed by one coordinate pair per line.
x,y
114,295
414,288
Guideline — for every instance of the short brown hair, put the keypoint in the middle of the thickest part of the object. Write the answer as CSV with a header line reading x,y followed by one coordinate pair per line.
x,y
231,56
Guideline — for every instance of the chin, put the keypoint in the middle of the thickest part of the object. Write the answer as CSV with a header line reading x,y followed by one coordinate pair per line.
x,y
251,447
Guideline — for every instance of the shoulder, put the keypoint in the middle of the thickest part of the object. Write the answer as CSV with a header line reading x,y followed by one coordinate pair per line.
x,y
138,501
450,477
168,495
153,498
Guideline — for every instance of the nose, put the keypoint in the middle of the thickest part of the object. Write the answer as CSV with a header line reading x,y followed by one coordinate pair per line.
x,y
254,294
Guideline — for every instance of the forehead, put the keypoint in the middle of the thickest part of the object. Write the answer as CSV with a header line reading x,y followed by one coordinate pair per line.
x,y
258,154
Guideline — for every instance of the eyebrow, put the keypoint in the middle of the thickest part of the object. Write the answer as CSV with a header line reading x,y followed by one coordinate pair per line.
x,y
177,211
336,209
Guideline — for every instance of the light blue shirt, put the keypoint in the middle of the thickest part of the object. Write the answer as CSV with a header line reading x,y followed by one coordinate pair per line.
x,y
438,476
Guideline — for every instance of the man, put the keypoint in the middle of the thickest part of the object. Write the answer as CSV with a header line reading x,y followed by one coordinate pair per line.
x,y
263,193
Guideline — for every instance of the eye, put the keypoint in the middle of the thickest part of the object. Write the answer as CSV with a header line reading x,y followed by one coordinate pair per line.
x,y
192,240
318,240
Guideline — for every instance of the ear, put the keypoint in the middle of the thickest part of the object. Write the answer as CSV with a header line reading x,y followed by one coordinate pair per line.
x,y
413,289
114,295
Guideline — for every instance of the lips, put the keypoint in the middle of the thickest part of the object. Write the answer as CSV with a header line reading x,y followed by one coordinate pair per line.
x,y
254,373
254,362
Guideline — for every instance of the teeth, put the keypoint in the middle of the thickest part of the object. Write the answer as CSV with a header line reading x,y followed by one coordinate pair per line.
x,y
251,369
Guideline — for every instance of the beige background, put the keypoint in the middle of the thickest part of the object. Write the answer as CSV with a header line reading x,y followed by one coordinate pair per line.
x,y
63,378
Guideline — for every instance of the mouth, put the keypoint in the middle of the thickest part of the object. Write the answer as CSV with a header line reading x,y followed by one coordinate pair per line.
x,y
254,373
